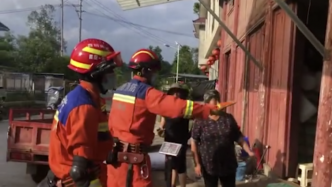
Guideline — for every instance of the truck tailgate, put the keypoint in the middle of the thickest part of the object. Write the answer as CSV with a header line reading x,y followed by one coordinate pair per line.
x,y
28,140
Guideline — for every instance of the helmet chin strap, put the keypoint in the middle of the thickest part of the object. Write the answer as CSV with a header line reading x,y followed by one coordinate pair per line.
x,y
101,88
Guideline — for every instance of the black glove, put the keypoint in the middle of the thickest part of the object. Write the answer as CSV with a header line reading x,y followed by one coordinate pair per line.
x,y
79,171
112,157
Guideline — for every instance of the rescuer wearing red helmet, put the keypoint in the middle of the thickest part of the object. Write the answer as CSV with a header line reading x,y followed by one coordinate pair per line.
x,y
132,120
80,140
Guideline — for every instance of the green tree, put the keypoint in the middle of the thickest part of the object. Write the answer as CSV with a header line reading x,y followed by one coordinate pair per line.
x,y
195,70
42,45
165,66
123,74
196,7
7,50
188,60
58,64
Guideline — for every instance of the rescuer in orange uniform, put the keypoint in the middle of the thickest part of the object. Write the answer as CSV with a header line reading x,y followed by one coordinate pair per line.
x,y
80,140
132,119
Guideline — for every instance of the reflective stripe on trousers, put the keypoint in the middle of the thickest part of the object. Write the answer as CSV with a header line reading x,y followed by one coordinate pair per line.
x,y
95,183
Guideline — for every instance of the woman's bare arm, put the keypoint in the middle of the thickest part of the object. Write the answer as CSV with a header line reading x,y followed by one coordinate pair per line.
x,y
238,136
162,123
195,152
244,145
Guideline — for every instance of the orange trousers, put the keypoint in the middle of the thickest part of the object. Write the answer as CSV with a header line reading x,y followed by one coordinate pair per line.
x,y
103,175
116,177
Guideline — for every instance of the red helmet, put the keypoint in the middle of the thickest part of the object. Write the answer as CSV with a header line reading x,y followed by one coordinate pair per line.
x,y
90,53
145,58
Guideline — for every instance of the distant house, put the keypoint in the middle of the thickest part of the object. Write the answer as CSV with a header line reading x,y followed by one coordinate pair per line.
x,y
3,27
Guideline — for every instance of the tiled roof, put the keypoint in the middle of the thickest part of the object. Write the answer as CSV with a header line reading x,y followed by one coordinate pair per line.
x,y
3,27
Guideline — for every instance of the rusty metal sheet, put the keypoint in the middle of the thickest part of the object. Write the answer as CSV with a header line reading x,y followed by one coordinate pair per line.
x,y
256,47
238,87
278,100
251,11
229,20
230,79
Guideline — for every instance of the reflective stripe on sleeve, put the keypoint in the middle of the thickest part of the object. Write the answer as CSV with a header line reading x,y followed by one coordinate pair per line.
x,y
189,109
56,118
124,98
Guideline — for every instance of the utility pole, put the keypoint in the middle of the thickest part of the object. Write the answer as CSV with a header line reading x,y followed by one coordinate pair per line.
x,y
80,18
322,175
177,61
62,27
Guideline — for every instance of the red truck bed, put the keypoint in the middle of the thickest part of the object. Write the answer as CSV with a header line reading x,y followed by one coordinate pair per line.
x,y
28,138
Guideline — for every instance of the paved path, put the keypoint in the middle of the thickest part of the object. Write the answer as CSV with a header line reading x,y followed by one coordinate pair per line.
x,y
158,176
13,174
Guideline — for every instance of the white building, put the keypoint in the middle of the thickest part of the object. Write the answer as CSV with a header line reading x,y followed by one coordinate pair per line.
x,y
207,30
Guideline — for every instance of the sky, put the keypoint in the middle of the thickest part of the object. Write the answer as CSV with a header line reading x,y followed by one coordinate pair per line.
x,y
105,20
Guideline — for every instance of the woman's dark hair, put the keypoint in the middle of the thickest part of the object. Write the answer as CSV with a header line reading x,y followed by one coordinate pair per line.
x,y
211,94
183,93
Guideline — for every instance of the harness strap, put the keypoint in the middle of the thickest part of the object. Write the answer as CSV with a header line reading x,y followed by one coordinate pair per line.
x,y
68,182
129,179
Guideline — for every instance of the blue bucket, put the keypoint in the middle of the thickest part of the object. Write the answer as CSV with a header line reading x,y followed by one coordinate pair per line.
x,y
240,171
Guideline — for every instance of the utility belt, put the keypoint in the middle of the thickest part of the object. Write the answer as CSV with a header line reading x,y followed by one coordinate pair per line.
x,y
52,181
132,154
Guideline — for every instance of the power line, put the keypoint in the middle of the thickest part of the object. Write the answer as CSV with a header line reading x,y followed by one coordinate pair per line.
x,y
138,30
138,25
28,9
99,15
135,29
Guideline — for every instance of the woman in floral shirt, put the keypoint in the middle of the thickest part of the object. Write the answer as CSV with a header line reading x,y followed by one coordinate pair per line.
x,y
213,146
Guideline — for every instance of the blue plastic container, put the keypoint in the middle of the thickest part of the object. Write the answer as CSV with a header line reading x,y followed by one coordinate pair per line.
x,y
240,171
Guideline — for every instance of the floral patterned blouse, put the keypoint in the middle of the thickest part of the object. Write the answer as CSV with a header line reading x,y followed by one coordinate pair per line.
x,y
215,139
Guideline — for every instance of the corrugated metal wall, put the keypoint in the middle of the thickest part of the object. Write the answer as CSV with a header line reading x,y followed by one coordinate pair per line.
x,y
256,47
239,86
277,118
276,105
229,19
230,81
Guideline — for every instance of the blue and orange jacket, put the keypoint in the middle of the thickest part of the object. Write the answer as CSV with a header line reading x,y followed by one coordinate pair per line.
x,y
79,128
134,108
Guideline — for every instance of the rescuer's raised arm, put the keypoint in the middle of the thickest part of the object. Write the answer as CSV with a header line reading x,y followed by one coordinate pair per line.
x,y
82,137
159,103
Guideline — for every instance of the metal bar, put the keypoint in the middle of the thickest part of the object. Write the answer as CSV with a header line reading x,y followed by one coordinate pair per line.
x,y
229,32
302,27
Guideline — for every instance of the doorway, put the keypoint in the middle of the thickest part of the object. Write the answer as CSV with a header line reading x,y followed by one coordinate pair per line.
x,y
308,65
